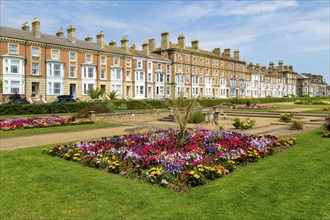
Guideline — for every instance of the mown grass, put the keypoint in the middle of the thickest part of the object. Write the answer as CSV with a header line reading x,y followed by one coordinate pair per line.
x,y
45,130
293,184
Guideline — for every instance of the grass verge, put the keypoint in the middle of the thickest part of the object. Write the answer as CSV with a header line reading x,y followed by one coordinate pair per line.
x,y
45,130
290,185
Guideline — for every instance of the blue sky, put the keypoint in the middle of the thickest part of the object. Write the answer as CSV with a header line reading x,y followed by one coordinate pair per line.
x,y
296,32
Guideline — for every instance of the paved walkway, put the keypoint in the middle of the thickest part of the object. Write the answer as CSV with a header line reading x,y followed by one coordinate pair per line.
x,y
262,127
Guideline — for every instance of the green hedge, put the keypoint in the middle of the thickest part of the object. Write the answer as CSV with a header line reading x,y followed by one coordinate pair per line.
x,y
134,105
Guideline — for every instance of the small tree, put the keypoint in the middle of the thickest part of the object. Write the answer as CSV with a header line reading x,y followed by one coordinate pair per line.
x,y
95,93
182,109
112,95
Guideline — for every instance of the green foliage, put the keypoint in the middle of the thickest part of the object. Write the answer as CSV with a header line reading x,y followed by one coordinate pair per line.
x,y
196,117
247,124
70,188
95,93
112,95
286,117
297,125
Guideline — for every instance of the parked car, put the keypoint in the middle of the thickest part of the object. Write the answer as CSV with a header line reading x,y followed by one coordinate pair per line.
x,y
17,102
64,99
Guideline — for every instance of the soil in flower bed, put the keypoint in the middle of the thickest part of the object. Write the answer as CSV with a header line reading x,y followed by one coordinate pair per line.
x,y
159,159
33,122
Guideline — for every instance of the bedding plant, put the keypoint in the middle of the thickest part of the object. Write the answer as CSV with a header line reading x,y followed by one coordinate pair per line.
x,y
34,122
161,158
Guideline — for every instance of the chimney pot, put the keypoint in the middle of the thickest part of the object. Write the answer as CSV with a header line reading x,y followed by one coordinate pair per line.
x,y
59,33
25,26
112,43
89,38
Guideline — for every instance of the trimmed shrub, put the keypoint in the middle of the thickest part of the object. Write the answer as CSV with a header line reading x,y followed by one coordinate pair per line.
x,y
286,117
297,125
196,117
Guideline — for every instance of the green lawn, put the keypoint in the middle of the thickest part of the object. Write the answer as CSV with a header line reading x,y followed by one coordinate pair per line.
x,y
293,184
44,130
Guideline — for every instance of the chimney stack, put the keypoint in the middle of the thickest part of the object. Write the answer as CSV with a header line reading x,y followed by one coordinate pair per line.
x,y
89,38
271,65
182,41
165,44
112,43
236,55
124,43
145,47
133,47
227,52
100,39
280,65
36,28
59,33
194,44
152,45
217,51
25,27
291,67
72,33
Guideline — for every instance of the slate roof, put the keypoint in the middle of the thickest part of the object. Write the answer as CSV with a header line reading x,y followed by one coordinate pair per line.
x,y
155,56
55,40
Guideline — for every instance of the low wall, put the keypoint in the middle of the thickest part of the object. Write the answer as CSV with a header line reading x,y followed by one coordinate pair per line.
x,y
148,115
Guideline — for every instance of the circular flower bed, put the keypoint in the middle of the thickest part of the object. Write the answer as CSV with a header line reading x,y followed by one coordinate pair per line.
x,y
158,158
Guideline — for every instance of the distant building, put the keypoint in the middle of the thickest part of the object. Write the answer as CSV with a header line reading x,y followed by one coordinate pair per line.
x,y
311,85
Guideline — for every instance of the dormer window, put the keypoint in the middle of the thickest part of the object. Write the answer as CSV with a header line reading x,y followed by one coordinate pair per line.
x,y
13,49
55,54
88,58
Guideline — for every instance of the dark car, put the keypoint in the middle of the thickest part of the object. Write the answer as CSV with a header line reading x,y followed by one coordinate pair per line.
x,y
64,99
17,102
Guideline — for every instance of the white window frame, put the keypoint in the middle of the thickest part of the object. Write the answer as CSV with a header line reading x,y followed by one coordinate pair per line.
x,y
88,58
103,73
35,51
55,54
103,60
35,71
13,51
74,73
128,62
73,56
116,61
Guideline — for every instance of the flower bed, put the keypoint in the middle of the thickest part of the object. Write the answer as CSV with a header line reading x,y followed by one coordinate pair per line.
x,y
255,106
157,158
33,122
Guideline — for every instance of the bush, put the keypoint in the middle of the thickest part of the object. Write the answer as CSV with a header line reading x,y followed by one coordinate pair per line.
x,y
286,117
196,117
247,124
297,125
299,102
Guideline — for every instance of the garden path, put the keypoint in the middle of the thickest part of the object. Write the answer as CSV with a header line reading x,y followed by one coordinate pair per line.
x,y
263,126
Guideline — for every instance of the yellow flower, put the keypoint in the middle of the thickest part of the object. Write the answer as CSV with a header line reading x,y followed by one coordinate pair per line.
x,y
192,172
196,176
